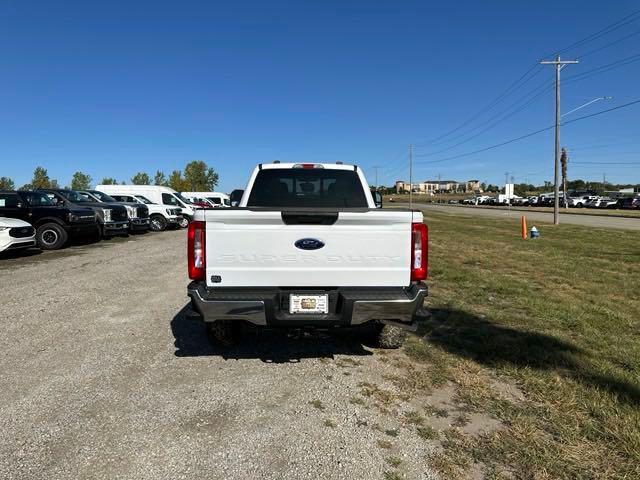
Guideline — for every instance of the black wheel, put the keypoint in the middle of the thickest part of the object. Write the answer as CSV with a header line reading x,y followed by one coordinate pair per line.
x,y
51,236
157,223
184,222
223,333
388,336
579,205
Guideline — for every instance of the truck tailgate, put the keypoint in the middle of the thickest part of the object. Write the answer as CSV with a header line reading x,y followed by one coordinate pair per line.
x,y
254,248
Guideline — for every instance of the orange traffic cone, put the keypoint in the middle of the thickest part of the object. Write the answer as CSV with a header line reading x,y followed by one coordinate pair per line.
x,y
523,222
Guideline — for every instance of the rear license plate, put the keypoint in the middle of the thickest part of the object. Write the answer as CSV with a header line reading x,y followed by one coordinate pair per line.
x,y
308,304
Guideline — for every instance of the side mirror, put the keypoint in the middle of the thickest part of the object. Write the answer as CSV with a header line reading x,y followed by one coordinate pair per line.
x,y
377,199
235,197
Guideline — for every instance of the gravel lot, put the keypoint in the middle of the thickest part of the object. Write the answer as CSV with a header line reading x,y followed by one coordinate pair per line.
x,y
103,376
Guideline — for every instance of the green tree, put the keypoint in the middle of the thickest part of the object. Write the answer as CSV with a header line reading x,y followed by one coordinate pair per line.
x,y
80,181
109,181
177,182
6,184
199,177
40,178
576,185
54,183
141,178
160,179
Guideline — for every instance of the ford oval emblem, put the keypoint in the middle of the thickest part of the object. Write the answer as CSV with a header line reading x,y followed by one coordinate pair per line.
x,y
309,244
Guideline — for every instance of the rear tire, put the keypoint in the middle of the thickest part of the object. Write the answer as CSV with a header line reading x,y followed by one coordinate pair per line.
x,y
51,236
157,223
223,333
388,336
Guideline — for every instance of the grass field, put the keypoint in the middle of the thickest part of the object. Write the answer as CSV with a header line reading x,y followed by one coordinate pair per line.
x,y
558,319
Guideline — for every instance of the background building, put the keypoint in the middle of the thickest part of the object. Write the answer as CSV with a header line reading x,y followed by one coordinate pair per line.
x,y
431,187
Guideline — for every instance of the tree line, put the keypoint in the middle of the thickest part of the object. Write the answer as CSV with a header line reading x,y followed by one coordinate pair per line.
x,y
197,177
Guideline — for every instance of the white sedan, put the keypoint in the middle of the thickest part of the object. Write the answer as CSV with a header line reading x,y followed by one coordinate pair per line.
x,y
16,234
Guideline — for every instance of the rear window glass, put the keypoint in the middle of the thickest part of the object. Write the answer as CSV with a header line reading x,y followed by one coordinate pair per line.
x,y
297,187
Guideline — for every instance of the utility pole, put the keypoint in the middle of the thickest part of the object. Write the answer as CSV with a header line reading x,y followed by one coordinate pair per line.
x,y
559,66
410,176
564,158
604,183
376,169
506,181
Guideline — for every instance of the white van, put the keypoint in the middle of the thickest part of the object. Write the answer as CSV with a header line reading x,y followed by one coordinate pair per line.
x,y
215,199
164,196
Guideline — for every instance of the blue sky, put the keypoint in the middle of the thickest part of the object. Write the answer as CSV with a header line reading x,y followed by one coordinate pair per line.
x,y
113,88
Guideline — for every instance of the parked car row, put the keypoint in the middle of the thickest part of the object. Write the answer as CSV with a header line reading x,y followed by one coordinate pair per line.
x,y
584,201
50,218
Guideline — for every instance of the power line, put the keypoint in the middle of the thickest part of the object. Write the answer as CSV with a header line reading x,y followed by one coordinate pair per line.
x,y
603,68
632,17
570,79
522,80
398,163
522,137
591,52
599,146
605,163
515,85
518,109
487,148
545,87
601,112
600,33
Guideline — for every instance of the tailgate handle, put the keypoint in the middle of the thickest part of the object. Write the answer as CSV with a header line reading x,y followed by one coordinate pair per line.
x,y
309,218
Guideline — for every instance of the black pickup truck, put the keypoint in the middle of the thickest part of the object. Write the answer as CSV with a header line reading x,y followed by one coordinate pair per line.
x,y
54,224
138,212
112,219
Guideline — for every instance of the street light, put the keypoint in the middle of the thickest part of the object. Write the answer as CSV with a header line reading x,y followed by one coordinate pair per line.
x,y
586,104
564,178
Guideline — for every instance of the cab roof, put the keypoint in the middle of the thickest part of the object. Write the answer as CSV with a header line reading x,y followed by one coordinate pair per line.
x,y
307,165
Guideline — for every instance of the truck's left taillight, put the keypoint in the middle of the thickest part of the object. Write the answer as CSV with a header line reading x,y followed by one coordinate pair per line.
x,y
196,250
419,251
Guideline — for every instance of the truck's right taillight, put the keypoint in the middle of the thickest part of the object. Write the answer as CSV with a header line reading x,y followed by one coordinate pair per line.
x,y
419,251
196,250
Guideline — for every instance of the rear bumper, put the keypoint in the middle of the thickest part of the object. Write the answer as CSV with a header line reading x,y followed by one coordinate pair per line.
x,y
347,306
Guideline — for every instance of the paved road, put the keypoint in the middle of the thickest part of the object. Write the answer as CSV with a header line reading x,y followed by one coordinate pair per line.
x,y
596,221
102,375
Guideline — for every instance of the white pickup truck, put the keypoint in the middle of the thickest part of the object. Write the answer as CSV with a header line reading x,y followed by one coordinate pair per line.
x,y
307,247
